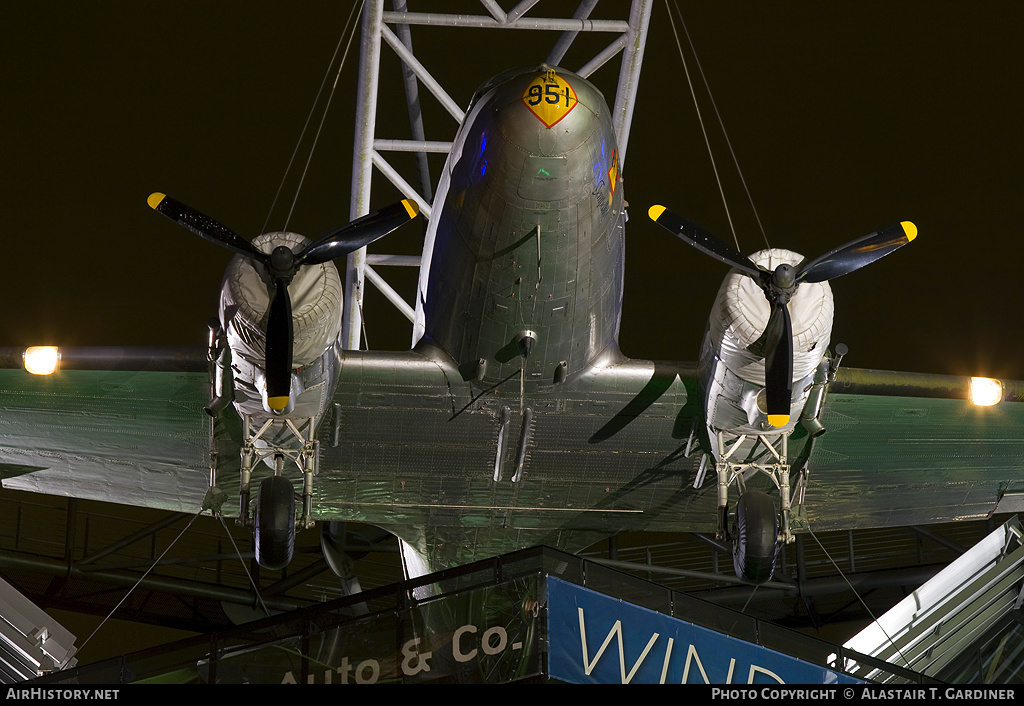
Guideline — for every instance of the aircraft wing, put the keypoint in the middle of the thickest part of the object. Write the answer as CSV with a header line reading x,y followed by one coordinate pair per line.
x,y
110,433
462,474
409,446
415,449
613,451
905,449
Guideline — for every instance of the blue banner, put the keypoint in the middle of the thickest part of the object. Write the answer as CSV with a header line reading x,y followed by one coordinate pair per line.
x,y
595,639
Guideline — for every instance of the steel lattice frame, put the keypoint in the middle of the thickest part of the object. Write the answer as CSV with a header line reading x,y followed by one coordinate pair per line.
x,y
394,28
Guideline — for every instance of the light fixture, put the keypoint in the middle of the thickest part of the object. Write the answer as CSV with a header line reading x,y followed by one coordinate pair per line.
x,y
986,392
42,360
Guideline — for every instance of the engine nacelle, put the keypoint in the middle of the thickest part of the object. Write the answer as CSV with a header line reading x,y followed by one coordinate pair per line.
x,y
732,367
316,296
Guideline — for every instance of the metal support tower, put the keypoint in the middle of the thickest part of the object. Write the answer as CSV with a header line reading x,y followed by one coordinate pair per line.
x,y
394,29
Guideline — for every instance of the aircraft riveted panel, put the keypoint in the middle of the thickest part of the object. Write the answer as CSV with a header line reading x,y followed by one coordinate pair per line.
x,y
138,438
532,207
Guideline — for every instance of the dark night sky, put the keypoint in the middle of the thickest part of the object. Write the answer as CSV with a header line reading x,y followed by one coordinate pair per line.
x,y
845,117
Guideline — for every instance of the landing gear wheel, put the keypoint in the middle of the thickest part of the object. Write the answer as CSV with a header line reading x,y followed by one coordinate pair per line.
x,y
757,529
275,523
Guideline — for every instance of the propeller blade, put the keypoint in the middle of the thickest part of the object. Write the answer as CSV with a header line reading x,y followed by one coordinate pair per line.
x,y
778,365
703,240
202,225
857,253
359,233
279,348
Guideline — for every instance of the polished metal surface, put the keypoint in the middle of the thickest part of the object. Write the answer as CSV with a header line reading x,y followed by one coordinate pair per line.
x,y
416,443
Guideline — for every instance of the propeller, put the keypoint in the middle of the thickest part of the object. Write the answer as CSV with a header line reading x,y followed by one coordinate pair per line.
x,y
282,265
779,286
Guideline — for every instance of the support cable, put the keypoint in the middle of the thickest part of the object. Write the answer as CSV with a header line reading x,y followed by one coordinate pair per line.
x,y
349,30
245,567
859,599
721,125
141,579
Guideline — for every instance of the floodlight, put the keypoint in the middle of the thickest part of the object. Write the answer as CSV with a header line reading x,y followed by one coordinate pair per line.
x,y
986,392
42,360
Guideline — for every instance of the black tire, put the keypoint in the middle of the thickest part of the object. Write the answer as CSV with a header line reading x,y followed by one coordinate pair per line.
x,y
275,523
757,529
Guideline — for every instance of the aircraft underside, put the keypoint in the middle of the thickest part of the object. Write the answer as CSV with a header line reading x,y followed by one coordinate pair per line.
x,y
610,458
515,420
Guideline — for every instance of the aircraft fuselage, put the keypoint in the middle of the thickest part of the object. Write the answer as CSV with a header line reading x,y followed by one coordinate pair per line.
x,y
524,254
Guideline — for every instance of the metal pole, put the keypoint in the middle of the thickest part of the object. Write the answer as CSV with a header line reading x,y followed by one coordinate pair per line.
x,y
629,73
362,167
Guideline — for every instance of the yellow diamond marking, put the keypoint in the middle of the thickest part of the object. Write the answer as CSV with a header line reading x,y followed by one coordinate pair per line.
x,y
550,98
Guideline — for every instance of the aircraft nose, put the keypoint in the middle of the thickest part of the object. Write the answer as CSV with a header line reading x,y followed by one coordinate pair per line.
x,y
549,113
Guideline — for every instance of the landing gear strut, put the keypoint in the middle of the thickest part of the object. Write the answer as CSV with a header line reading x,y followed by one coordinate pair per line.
x,y
274,522
760,528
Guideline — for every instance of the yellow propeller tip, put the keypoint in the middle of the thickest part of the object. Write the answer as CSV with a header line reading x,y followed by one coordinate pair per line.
x,y
154,199
410,207
655,212
778,420
277,403
910,229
